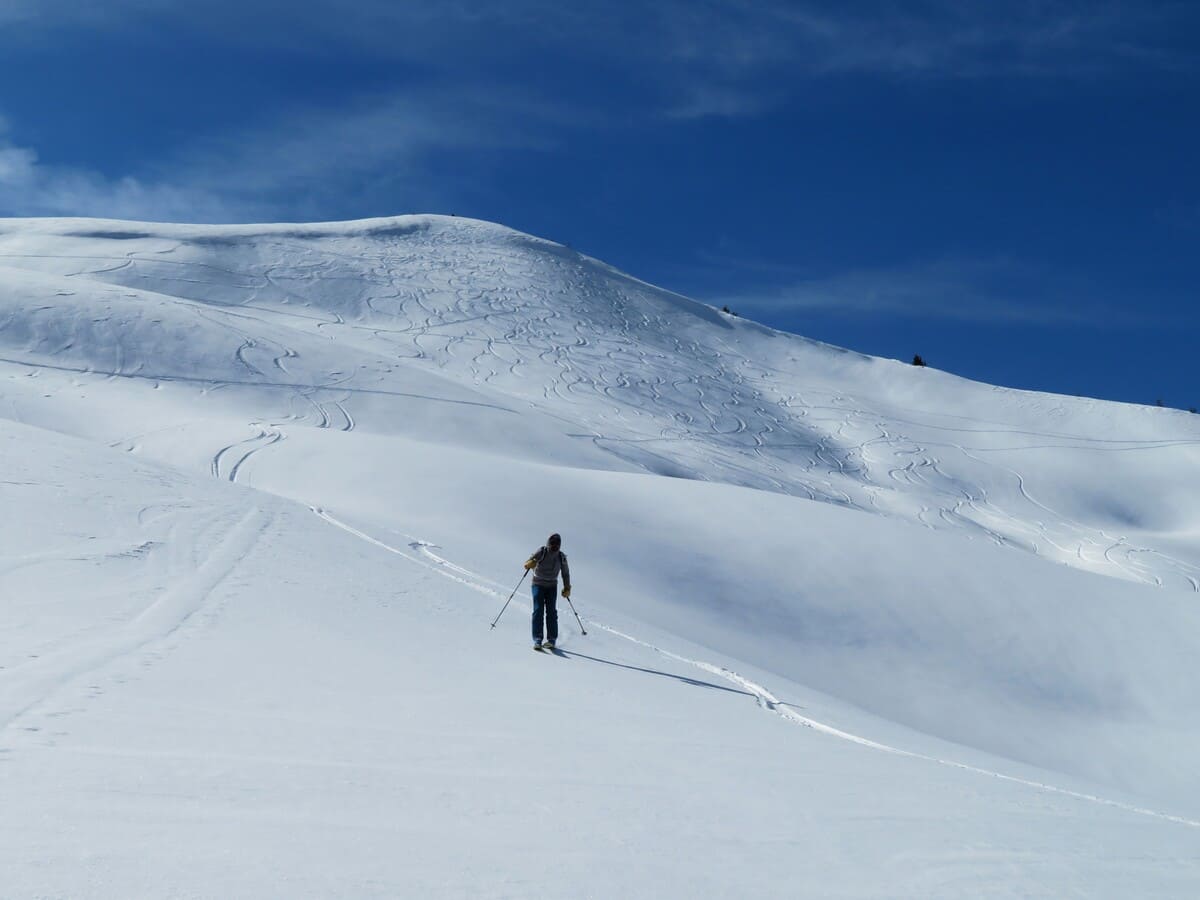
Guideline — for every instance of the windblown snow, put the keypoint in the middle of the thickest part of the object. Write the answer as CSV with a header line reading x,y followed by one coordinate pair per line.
x,y
854,628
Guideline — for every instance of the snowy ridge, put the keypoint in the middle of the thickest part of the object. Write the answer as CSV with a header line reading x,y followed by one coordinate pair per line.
x,y
269,484
650,378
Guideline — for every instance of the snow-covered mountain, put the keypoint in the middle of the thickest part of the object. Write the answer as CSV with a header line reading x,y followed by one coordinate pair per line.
x,y
982,602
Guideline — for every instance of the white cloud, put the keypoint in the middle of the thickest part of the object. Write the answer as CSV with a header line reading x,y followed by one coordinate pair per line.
x,y
30,188
679,42
702,100
942,38
965,290
302,159
17,165
291,166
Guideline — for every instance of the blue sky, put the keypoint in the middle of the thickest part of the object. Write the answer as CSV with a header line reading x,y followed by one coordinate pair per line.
x,y
1010,189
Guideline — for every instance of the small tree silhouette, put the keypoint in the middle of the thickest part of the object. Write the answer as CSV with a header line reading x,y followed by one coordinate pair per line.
x,y
917,361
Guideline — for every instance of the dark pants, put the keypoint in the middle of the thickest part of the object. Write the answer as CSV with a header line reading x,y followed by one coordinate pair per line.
x,y
545,601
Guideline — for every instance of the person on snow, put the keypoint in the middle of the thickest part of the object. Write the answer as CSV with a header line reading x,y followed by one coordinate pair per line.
x,y
545,563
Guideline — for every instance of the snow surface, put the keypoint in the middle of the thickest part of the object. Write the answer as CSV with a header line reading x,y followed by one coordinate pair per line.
x,y
854,628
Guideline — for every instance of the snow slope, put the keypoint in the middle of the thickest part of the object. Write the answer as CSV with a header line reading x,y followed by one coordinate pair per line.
x,y
285,685
323,318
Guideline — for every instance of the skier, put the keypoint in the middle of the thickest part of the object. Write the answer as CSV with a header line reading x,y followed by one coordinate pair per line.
x,y
545,563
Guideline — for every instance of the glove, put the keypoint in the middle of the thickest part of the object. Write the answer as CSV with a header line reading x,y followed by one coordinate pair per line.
x,y
567,593
529,564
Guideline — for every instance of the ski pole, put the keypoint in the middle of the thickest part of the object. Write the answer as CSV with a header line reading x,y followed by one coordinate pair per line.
x,y
510,596
577,619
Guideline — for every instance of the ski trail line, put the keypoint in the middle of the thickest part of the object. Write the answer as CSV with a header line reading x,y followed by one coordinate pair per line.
x,y
267,436
36,682
766,700
439,565
769,702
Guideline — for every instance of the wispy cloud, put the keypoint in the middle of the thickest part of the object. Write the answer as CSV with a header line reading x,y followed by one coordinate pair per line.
x,y
727,59
702,100
953,38
31,188
397,139
681,60
711,58
295,164
997,291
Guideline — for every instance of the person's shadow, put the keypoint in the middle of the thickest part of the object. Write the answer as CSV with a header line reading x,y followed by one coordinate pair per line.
x,y
696,682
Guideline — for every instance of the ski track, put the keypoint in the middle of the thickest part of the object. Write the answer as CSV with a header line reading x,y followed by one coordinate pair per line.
x,y
349,426
36,682
423,555
266,437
